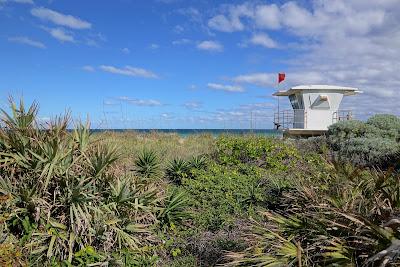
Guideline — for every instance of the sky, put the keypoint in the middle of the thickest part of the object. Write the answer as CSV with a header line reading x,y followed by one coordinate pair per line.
x,y
194,64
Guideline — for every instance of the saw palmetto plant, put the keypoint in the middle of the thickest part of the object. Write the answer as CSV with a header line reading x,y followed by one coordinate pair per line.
x,y
59,195
347,219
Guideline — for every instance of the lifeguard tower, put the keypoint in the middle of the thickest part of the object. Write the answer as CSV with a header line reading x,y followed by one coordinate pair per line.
x,y
315,108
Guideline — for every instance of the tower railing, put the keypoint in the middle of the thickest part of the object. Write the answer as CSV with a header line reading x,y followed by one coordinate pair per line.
x,y
342,115
290,119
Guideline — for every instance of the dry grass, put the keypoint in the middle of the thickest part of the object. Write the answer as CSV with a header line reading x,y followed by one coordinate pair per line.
x,y
167,146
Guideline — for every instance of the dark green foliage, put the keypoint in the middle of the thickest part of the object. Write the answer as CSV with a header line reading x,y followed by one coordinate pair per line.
x,y
373,143
147,164
268,153
177,169
220,195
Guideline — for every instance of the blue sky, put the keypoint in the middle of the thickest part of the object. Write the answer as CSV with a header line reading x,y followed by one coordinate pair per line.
x,y
194,64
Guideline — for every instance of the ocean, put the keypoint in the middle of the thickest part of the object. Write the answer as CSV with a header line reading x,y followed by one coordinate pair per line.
x,y
187,132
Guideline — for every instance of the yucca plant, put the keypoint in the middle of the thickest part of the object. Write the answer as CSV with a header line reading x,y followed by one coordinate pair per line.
x,y
177,169
198,162
147,164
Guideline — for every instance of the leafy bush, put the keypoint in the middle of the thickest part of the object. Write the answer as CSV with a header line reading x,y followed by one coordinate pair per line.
x,y
373,143
220,195
268,153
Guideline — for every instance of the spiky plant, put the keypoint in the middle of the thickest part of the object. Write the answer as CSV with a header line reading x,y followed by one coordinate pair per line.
x,y
349,218
198,162
147,164
56,198
177,169
175,208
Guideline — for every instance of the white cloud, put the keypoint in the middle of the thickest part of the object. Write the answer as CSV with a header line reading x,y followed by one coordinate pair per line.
x,y
182,41
226,88
267,16
88,68
192,13
179,29
129,71
210,46
343,42
126,50
60,19
264,40
193,105
27,41
154,46
140,102
60,34
18,1
222,23
260,79
230,21
24,1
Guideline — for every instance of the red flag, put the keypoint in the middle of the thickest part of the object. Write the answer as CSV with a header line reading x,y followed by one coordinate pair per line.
x,y
281,77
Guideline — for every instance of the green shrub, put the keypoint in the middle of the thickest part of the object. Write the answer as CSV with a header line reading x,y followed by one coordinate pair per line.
x,y
375,142
220,194
268,153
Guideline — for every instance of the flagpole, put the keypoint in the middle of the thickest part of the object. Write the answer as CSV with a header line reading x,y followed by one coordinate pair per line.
x,y
277,89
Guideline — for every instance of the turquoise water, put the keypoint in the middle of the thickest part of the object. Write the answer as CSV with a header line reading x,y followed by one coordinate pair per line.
x,y
187,132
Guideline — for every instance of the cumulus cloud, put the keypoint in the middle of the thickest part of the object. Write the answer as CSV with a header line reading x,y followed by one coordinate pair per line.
x,y
60,34
27,41
230,21
210,46
226,88
264,40
60,19
129,71
353,43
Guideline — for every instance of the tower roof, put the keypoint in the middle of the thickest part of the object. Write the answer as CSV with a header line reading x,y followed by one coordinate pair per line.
x,y
318,87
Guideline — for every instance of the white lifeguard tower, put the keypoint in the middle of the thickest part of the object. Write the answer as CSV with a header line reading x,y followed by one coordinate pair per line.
x,y
315,108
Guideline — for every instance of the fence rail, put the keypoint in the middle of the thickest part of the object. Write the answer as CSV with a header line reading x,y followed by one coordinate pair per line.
x,y
288,119
342,115
297,118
